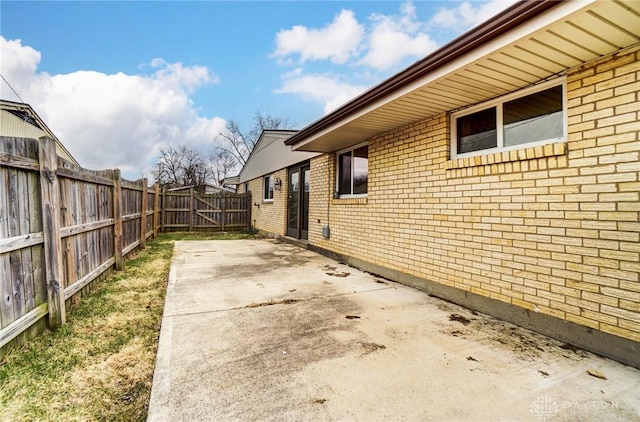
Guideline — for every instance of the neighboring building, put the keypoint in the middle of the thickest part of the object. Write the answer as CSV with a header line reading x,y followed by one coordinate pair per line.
x,y
21,121
500,172
278,179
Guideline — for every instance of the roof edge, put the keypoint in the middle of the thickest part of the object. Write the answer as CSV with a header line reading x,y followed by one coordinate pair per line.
x,y
503,22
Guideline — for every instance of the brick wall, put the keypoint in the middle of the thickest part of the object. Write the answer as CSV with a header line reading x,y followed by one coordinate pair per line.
x,y
269,216
553,229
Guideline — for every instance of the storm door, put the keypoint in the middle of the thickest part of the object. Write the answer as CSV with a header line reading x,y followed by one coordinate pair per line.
x,y
298,205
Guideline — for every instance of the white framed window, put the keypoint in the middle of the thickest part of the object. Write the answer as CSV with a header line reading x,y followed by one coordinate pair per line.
x,y
352,171
530,117
267,191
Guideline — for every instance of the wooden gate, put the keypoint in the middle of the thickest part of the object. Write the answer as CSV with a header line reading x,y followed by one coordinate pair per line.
x,y
193,211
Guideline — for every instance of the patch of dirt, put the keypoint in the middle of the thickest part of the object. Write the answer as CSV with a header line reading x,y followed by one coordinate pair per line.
x,y
319,401
459,318
352,317
280,302
372,347
338,274
569,347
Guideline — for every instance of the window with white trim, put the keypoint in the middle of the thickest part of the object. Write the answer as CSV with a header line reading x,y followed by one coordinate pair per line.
x,y
267,191
353,171
529,117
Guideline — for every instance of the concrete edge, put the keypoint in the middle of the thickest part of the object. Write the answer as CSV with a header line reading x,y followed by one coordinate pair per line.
x,y
604,344
158,409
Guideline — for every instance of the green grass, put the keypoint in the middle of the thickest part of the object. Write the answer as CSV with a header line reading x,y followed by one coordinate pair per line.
x,y
99,366
211,235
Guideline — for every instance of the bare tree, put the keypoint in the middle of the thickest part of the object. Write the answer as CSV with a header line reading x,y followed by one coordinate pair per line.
x,y
182,166
223,164
239,143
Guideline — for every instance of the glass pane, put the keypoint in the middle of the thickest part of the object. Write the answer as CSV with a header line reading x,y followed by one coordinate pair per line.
x,y
360,170
477,131
344,173
293,200
305,200
268,187
307,179
536,117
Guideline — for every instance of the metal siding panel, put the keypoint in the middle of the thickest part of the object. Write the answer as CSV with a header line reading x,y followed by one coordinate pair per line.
x,y
464,93
536,60
499,77
573,32
620,15
594,25
512,66
572,48
550,53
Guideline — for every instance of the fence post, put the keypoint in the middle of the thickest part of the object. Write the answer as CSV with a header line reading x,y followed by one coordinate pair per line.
x,y
156,209
117,216
192,208
164,212
223,208
143,218
51,227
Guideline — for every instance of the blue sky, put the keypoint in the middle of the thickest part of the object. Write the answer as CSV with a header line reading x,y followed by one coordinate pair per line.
x,y
117,81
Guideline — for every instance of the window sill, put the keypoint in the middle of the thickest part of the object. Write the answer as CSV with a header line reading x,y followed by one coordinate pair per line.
x,y
267,201
349,201
508,161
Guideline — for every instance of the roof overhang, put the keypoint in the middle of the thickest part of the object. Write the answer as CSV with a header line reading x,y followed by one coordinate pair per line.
x,y
530,42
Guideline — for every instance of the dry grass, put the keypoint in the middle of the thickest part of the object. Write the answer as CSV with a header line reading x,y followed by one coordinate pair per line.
x,y
100,365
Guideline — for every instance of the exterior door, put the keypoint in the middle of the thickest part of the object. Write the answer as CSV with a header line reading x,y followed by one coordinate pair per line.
x,y
298,205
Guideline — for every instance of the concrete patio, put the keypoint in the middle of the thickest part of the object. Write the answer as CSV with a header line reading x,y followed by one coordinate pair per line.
x,y
263,330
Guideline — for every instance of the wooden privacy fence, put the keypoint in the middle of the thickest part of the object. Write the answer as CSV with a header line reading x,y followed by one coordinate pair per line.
x,y
62,226
193,211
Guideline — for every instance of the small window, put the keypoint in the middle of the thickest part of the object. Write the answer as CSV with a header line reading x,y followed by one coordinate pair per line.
x,y
353,171
268,188
246,187
535,116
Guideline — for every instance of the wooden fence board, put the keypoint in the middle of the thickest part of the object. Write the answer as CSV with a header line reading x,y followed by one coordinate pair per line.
x,y
51,228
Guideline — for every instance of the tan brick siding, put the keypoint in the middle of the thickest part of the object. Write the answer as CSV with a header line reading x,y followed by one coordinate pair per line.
x,y
554,229
269,216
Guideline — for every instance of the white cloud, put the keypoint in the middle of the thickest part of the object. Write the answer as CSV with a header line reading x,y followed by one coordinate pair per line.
x,y
113,120
326,89
338,41
395,37
467,15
